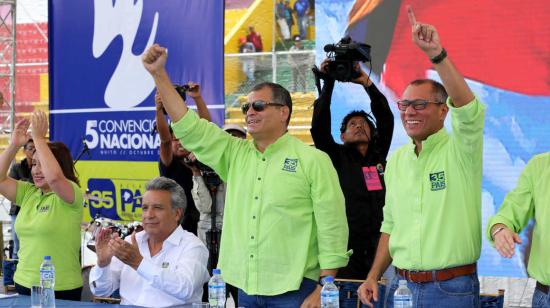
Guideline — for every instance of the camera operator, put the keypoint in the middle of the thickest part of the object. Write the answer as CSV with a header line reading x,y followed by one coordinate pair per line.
x,y
172,153
360,163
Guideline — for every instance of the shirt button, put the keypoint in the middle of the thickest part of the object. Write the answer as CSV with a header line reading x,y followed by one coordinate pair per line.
x,y
259,179
263,159
254,217
256,198
252,237
251,256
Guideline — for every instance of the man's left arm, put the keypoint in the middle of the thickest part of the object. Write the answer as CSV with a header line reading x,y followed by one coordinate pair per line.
x,y
426,37
330,219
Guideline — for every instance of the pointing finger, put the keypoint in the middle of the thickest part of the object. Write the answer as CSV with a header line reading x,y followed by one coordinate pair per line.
x,y
410,14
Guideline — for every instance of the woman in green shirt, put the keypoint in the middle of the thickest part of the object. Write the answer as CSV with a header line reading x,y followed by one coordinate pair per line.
x,y
51,210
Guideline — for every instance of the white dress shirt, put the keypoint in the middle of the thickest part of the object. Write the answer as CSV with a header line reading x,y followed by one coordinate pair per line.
x,y
174,276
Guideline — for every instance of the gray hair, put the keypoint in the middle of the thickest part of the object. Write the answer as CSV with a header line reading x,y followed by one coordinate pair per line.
x,y
177,194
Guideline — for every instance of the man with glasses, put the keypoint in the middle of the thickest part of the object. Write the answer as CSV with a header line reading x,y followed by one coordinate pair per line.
x,y
432,216
360,164
20,171
284,219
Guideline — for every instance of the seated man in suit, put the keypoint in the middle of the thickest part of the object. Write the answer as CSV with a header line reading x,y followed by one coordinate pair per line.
x,y
162,266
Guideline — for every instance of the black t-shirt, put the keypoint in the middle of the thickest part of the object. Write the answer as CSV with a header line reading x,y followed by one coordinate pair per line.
x,y
178,172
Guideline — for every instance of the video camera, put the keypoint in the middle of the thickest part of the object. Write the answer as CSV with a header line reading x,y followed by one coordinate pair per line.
x,y
343,56
182,91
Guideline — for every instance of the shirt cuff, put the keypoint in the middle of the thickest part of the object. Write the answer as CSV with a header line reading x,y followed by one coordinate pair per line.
x,y
467,112
97,272
147,270
497,220
182,126
386,228
327,261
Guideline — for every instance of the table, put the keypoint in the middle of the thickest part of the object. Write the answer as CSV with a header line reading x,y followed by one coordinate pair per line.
x,y
25,301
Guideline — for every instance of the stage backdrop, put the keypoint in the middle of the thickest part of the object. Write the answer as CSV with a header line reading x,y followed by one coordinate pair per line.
x,y
505,59
102,97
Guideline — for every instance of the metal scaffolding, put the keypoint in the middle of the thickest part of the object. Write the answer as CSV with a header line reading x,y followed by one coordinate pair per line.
x,y
7,63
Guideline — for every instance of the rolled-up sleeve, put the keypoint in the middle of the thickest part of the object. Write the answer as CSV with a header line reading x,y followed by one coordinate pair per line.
x,y
330,214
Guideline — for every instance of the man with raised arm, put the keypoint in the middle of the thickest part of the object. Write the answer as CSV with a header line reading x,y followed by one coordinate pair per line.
x,y
284,219
432,216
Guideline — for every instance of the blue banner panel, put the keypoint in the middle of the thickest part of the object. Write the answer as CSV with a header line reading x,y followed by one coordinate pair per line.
x,y
99,89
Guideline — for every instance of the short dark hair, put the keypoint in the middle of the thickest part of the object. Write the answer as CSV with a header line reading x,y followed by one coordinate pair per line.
x,y
278,94
65,160
357,113
177,194
438,90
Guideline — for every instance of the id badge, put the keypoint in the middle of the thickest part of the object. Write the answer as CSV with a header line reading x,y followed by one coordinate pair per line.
x,y
372,179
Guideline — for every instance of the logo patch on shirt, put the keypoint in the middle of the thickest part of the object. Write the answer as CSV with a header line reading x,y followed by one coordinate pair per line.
x,y
43,208
290,164
165,264
437,180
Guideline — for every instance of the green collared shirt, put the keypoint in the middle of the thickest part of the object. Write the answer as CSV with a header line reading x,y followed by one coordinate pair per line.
x,y
433,200
530,199
284,211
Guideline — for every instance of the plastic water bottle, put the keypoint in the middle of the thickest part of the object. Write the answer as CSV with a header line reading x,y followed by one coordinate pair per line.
x,y
402,298
330,296
216,290
47,282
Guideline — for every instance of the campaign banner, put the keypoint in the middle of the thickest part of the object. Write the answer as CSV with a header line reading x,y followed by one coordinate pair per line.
x,y
101,94
102,98
507,75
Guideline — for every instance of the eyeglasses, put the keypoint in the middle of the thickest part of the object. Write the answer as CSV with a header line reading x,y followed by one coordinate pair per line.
x,y
418,104
258,106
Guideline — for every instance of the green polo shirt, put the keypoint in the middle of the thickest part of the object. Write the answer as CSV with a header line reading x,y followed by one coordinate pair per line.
x,y
48,226
433,200
284,215
530,199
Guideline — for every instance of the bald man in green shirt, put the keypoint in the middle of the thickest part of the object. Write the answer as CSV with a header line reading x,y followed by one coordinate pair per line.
x,y
284,222
432,216
530,199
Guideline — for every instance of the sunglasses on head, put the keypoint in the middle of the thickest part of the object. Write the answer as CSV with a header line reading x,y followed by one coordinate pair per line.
x,y
417,104
258,106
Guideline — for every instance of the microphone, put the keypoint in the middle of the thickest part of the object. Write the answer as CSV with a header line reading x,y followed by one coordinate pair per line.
x,y
86,149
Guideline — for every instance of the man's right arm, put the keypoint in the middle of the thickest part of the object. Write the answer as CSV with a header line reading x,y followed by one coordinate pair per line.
x,y
154,61
369,289
165,150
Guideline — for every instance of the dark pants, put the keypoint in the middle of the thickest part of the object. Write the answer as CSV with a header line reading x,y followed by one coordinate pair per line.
x,y
70,295
540,299
291,299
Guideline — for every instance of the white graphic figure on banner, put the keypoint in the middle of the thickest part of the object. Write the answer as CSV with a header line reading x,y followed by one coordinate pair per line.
x,y
130,83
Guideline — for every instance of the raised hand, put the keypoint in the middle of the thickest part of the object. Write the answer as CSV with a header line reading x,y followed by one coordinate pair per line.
x,y
103,251
154,59
425,36
194,89
505,242
39,125
20,136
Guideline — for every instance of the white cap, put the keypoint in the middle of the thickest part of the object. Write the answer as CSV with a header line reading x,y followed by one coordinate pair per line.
x,y
230,126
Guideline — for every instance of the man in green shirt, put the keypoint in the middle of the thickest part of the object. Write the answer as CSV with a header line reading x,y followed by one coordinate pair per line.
x,y
284,219
432,216
530,199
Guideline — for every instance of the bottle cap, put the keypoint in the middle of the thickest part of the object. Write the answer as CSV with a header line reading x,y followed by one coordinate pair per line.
x,y
216,271
47,257
329,279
